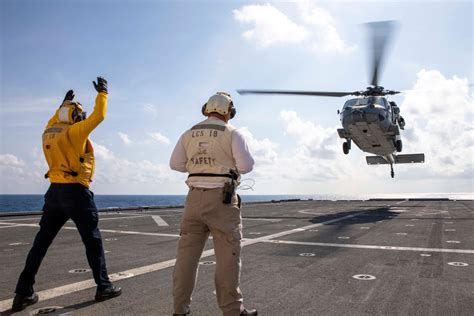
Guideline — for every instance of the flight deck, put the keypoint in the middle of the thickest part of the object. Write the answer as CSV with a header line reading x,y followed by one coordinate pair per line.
x,y
299,257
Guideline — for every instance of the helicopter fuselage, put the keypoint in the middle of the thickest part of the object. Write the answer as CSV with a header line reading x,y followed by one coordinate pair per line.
x,y
371,123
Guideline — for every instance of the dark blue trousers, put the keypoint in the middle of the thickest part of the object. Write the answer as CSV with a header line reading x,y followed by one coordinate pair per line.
x,y
61,203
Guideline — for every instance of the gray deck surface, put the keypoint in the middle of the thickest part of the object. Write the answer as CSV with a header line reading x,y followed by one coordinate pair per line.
x,y
299,258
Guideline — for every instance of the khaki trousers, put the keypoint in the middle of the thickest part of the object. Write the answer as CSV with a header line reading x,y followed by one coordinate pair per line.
x,y
204,212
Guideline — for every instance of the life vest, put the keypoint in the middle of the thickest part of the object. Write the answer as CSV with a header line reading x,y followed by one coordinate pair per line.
x,y
66,164
208,147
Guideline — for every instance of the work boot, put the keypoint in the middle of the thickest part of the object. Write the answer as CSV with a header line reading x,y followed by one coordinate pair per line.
x,y
174,314
109,292
249,312
20,302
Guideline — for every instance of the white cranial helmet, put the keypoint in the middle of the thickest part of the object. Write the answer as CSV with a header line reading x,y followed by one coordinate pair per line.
x,y
221,103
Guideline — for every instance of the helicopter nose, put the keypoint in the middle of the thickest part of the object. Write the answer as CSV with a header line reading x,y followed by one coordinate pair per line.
x,y
357,116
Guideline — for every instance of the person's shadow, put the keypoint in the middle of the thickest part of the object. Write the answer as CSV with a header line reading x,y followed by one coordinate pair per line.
x,y
53,311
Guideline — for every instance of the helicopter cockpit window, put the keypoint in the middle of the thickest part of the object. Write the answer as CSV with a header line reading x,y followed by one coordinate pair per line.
x,y
350,103
372,101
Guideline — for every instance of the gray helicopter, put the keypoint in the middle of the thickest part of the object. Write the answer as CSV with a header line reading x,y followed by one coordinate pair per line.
x,y
370,120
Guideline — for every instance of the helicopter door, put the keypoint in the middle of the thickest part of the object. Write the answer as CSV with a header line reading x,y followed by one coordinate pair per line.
x,y
395,111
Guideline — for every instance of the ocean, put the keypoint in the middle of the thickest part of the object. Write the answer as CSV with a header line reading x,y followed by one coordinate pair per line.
x,y
34,202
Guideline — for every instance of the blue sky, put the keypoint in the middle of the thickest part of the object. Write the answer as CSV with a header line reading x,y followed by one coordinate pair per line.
x,y
163,59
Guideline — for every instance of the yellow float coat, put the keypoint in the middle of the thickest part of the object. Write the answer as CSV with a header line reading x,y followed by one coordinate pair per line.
x,y
67,147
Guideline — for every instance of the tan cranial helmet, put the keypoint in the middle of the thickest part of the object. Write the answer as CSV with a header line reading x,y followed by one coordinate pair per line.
x,y
71,112
221,103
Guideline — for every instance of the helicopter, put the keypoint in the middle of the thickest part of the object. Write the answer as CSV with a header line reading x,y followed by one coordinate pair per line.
x,y
370,120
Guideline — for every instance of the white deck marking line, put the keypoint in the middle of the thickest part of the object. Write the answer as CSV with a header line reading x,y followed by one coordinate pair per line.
x,y
9,221
83,285
323,244
12,221
18,219
400,202
312,212
21,225
159,221
129,214
103,230
127,232
113,218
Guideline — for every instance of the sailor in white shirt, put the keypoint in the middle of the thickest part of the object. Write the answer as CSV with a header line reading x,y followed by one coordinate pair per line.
x,y
214,154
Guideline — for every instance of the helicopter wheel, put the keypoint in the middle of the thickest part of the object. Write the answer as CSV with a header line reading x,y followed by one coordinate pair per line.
x,y
398,145
345,148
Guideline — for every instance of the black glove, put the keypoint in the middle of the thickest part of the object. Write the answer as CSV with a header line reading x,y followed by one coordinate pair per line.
x,y
69,96
101,85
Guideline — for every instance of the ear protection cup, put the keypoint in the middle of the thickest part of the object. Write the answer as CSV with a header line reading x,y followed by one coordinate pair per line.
x,y
78,115
75,115
233,111
203,110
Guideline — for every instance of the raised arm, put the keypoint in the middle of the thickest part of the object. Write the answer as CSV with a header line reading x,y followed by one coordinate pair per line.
x,y
81,130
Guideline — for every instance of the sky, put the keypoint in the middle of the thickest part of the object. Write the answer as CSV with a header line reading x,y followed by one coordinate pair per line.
x,y
164,59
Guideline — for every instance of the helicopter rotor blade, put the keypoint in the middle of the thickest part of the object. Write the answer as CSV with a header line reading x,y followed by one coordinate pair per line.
x,y
380,35
310,93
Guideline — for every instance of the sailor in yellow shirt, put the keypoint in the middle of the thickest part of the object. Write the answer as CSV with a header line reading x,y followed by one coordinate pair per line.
x,y
70,158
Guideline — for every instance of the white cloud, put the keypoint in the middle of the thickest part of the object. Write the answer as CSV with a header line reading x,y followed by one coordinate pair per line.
x,y
315,140
313,158
317,153
439,113
13,170
102,152
10,161
160,138
270,25
125,139
19,176
124,173
263,151
325,38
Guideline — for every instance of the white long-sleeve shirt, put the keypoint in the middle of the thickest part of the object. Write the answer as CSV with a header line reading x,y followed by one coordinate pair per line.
x,y
243,159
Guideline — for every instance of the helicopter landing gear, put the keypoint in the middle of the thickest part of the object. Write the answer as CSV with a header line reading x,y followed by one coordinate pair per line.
x,y
346,146
392,173
398,145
